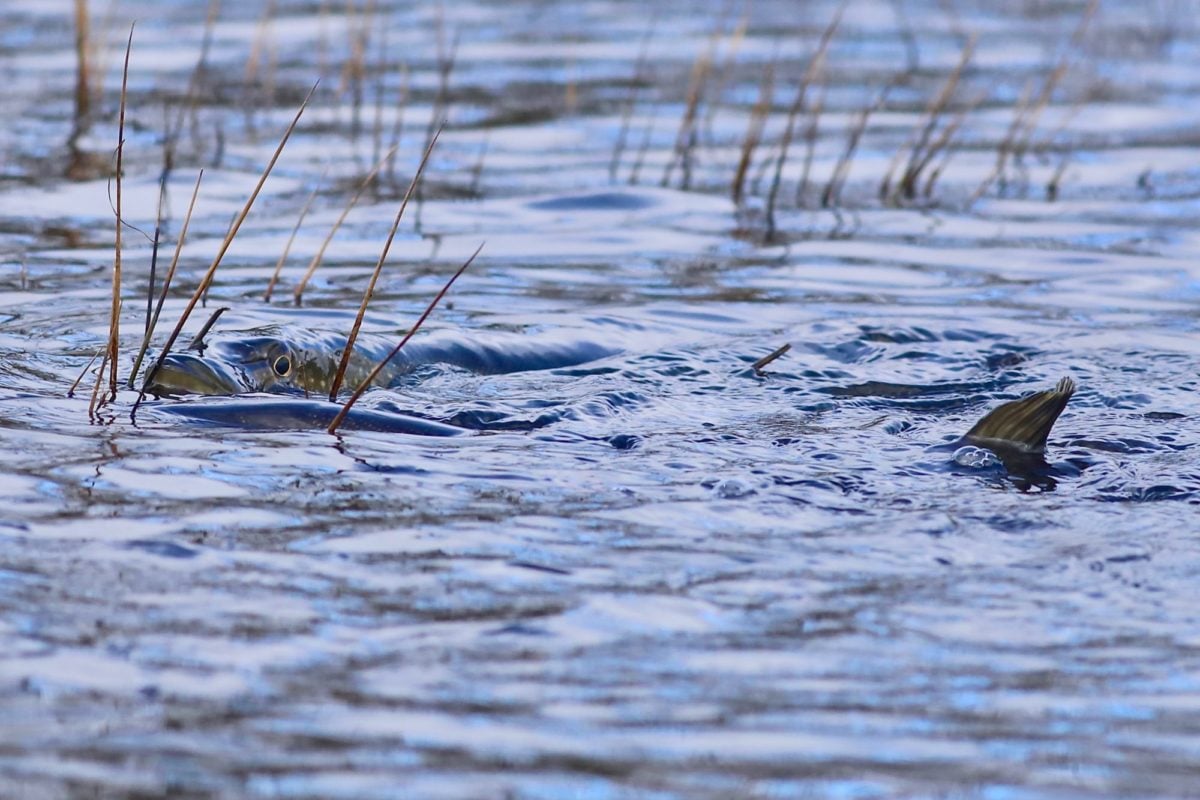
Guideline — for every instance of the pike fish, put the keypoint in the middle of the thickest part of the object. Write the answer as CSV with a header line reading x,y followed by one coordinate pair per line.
x,y
305,362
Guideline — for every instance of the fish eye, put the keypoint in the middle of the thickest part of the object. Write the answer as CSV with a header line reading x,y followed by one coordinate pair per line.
x,y
282,366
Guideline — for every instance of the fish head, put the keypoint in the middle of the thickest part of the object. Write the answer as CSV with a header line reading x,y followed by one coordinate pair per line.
x,y
186,373
231,366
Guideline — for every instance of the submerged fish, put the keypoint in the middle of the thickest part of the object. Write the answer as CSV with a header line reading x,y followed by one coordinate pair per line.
x,y
296,361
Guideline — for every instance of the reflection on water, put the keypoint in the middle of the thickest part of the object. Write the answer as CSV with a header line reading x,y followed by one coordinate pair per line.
x,y
658,572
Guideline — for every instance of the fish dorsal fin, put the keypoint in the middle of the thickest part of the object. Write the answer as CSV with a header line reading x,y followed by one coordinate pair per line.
x,y
1024,423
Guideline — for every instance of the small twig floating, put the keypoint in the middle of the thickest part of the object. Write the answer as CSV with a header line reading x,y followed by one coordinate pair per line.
x,y
758,366
387,246
362,387
233,229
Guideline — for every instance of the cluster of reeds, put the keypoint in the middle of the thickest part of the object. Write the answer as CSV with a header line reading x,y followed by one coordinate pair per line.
x,y
765,164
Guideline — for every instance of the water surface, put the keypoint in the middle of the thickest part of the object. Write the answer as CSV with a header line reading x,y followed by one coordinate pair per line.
x,y
660,573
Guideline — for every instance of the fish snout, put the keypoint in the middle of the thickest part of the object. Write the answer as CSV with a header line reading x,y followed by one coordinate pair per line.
x,y
184,373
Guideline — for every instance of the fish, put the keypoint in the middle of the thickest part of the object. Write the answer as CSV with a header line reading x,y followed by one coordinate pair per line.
x,y
296,361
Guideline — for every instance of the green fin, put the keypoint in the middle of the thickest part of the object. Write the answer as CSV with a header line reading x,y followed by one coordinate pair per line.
x,y
1024,423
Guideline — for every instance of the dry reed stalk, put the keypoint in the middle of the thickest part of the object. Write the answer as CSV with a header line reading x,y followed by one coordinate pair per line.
x,y
354,71
287,248
733,46
298,292
197,342
154,256
944,145
815,65
446,58
477,170
380,72
98,52
571,91
1029,127
832,194
75,385
323,38
647,134
250,98
162,295
1052,186
387,246
362,387
1005,147
754,131
97,401
635,88
398,124
207,279
810,144
199,73
83,92
685,136
1027,114
114,321
1055,182
919,152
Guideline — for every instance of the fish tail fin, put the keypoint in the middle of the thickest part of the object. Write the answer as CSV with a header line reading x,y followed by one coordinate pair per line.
x,y
1024,423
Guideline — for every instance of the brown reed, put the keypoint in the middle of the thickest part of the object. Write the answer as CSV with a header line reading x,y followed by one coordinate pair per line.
x,y
832,194
83,92
754,131
298,292
924,147
362,387
398,123
685,136
370,291
815,65
197,342
635,88
114,321
162,296
287,248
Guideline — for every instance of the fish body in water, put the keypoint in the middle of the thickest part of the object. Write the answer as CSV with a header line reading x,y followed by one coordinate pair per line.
x,y
297,361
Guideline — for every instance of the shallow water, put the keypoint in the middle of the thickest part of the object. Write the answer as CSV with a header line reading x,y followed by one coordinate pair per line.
x,y
659,573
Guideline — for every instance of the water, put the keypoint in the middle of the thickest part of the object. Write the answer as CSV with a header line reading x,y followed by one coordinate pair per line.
x,y
658,574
